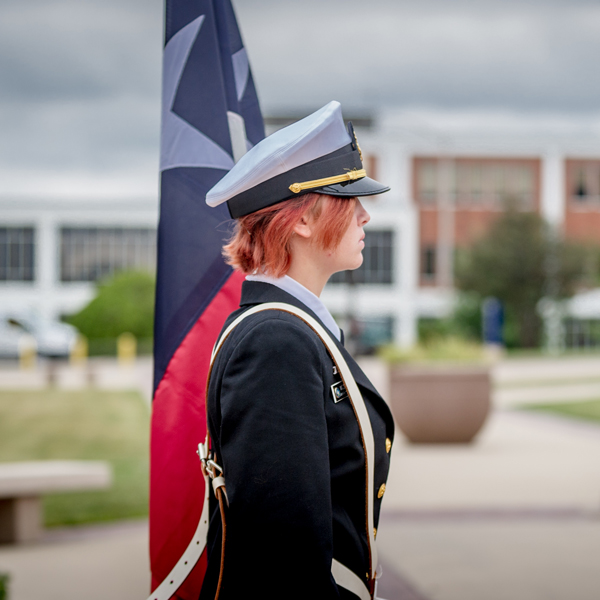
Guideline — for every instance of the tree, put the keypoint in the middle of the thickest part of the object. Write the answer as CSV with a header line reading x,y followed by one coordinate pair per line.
x,y
124,303
520,261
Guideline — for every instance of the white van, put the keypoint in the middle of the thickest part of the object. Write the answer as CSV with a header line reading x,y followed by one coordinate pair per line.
x,y
23,332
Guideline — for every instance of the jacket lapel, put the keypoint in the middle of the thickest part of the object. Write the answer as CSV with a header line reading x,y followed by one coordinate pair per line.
x,y
256,292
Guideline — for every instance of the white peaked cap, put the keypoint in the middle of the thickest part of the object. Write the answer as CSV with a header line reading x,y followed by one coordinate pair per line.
x,y
306,141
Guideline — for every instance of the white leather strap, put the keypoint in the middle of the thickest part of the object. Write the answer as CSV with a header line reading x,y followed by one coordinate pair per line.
x,y
358,403
349,580
218,482
188,559
343,576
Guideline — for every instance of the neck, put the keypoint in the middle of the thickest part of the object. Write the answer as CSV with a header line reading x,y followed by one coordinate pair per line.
x,y
309,274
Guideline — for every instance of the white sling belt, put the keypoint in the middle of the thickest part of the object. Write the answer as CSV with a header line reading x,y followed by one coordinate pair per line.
x,y
343,576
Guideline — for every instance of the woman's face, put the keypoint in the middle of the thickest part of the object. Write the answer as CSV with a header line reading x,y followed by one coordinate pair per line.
x,y
348,255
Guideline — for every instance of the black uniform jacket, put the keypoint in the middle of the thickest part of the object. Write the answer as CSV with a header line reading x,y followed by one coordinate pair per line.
x,y
292,458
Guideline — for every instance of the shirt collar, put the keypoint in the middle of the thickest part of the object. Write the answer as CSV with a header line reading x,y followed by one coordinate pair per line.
x,y
292,287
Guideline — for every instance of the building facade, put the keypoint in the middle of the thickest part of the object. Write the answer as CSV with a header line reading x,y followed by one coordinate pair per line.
x,y
451,174
53,251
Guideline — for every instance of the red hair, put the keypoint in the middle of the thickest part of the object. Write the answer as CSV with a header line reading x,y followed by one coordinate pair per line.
x,y
261,240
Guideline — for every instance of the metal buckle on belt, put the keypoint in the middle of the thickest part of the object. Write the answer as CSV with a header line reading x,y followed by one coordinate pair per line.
x,y
212,469
208,464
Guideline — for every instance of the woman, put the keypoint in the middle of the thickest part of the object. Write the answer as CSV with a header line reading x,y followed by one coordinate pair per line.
x,y
284,429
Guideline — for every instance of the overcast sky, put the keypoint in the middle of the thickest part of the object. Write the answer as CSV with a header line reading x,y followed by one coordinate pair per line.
x,y
80,79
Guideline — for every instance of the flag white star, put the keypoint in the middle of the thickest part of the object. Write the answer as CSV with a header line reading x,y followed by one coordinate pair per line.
x,y
181,144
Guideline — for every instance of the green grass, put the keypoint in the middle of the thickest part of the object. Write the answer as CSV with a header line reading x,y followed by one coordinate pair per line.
x,y
448,349
3,586
588,410
108,347
543,353
83,425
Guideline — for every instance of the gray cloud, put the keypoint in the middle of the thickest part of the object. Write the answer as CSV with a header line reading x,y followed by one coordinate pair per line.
x,y
520,55
72,50
80,80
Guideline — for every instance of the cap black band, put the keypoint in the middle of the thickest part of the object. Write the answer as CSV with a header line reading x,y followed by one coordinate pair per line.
x,y
277,189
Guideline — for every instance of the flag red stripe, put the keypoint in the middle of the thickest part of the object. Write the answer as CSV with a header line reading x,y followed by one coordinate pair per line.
x,y
178,426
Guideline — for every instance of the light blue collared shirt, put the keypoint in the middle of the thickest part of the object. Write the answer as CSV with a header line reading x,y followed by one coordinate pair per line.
x,y
291,286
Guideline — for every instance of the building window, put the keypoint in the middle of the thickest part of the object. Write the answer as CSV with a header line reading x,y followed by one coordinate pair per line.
x,y
580,190
377,267
581,333
427,182
583,181
478,182
428,256
89,254
16,253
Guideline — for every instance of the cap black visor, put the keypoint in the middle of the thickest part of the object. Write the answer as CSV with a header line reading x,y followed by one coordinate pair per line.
x,y
359,187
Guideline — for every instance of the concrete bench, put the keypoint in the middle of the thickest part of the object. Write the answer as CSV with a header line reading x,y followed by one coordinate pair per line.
x,y
23,483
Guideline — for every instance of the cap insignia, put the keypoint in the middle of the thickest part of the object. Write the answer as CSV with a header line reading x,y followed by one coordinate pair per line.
x,y
357,146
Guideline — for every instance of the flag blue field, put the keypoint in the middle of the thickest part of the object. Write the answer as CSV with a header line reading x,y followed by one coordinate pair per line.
x,y
210,117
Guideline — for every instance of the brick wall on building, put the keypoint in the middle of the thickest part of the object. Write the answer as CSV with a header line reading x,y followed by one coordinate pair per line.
x,y
582,206
478,189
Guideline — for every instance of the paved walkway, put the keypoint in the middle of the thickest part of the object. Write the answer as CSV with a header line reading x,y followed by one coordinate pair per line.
x,y
545,380
546,369
509,397
517,381
506,558
515,516
521,461
104,562
104,373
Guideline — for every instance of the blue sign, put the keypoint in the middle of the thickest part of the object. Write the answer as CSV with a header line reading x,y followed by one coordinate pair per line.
x,y
493,320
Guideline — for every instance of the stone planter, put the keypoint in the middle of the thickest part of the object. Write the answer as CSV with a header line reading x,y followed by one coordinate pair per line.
x,y
440,404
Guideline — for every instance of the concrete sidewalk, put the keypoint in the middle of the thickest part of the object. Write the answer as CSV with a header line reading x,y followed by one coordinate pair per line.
x,y
516,381
515,516
520,461
545,379
101,372
94,562
506,558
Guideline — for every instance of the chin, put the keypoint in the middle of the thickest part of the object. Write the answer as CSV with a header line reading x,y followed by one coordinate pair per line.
x,y
357,263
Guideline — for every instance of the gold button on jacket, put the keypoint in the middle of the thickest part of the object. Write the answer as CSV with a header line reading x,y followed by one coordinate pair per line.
x,y
388,445
381,491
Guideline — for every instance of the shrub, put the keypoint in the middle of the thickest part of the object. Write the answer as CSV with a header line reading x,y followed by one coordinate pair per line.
x,y
124,303
3,586
520,261
447,349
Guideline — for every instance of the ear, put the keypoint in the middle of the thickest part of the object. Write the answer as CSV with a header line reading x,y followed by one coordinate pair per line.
x,y
303,227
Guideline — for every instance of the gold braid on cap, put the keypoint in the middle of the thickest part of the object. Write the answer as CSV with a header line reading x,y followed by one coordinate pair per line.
x,y
357,146
349,176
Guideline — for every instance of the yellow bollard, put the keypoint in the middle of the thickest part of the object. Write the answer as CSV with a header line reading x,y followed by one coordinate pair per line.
x,y
126,349
79,352
27,352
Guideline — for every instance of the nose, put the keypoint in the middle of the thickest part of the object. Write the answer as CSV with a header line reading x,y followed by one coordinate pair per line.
x,y
362,216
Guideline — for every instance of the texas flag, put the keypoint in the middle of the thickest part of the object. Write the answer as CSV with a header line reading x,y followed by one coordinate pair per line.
x,y
210,117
